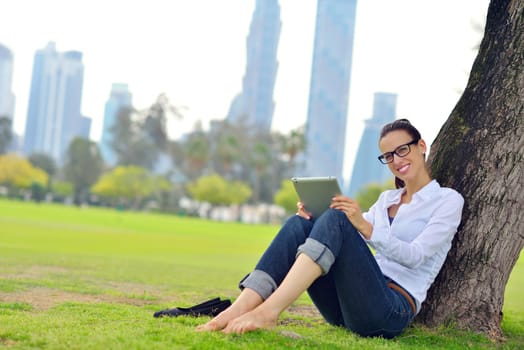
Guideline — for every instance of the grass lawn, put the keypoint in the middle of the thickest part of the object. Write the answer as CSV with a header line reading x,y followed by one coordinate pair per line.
x,y
75,278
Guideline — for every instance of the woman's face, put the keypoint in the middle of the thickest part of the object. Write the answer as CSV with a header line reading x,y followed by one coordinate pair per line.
x,y
412,164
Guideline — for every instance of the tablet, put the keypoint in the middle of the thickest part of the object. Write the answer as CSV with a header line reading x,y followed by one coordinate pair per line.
x,y
316,192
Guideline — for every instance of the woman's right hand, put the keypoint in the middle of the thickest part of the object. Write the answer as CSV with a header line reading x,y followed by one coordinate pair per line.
x,y
303,212
352,210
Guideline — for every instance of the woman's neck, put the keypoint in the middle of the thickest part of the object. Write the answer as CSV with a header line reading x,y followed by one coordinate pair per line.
x,y
416,184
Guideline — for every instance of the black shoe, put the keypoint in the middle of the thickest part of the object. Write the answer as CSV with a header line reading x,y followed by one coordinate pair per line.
x,y
208,308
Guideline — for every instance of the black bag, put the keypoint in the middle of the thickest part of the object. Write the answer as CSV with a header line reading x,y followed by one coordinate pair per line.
x,y
208,308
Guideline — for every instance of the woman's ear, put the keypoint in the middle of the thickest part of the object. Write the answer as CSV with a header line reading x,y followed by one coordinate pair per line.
x,y
422,144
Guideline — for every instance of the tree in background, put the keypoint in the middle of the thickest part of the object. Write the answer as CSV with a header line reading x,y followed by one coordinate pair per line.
x,y
83,166
286,196
237,152
260,160
6,134
17,173
46,163
480,152
61,190
228,148
129,142
129,185
216,190
38,191
291,146
140,137
195,154
156,118
368,195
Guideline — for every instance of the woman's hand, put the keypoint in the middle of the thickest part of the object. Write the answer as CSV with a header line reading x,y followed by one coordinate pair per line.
x,y
352,210
303,212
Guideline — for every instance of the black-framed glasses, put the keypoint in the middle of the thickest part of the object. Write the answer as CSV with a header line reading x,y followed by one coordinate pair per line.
x,y
401,151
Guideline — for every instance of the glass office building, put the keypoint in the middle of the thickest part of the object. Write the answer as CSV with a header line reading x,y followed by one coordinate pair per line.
x,y
254,106
53,116
367,169
119,98
329,88
7,98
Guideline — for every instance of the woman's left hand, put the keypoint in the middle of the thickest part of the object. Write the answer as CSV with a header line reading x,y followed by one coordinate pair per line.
x,y
353,212
301,211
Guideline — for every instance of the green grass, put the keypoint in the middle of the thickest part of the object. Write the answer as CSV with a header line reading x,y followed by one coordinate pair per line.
x,y
75,278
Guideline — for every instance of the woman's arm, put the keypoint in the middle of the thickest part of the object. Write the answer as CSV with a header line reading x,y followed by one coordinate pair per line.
x,y
352,210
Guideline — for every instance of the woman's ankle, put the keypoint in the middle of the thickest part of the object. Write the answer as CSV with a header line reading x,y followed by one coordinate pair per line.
x,y
247,300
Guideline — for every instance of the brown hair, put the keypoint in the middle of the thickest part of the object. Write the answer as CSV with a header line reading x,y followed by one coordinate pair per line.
x,y
400,124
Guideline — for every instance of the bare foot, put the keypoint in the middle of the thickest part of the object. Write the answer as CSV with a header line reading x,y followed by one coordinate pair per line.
x,y
256,319
246,301
221,320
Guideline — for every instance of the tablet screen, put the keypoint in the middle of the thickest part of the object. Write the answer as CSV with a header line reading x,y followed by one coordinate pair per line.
x,y
316,192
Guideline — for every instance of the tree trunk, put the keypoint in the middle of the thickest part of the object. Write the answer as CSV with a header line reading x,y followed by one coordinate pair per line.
x,y
479,151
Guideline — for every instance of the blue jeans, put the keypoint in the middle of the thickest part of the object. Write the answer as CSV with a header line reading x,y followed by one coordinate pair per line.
x,y
352,292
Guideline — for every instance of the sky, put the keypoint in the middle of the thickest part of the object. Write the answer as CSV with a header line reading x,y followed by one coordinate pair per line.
x,y
195,52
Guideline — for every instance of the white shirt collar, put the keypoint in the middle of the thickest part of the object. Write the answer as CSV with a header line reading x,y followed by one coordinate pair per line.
x,y
425,193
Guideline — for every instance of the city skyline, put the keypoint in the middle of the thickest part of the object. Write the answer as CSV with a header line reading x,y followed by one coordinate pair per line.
x,y
402,48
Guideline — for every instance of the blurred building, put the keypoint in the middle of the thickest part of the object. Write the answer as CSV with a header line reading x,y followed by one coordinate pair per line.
x,y
119,98
254,106
7,98
367,168
84,127
53,116
329,88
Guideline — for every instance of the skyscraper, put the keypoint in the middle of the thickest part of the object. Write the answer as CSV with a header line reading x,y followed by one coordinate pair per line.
x,y
53,117
254,105
7,98
329,88
367,169
119,98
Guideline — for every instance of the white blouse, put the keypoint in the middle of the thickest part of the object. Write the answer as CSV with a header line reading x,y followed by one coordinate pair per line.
x,y
412,249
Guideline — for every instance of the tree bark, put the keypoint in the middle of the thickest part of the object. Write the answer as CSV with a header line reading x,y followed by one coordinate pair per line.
x,y
479,151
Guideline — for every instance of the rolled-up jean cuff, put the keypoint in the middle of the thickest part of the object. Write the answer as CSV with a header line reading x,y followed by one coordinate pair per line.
x,y
319,253
261,282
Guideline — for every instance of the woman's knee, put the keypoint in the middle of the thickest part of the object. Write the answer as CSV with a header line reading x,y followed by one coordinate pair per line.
x,y
298,226
334,217
302,222
332,228
334,213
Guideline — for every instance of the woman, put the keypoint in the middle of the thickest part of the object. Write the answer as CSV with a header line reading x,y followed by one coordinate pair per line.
x,y
410,228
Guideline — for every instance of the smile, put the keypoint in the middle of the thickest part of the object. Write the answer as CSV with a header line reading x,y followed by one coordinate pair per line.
x,y
404,169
